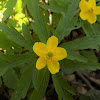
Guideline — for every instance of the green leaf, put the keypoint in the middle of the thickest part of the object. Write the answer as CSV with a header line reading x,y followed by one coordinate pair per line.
x,y
90,54
55,19
3,67
75,65
10,4
39,76
74,24
82,43
27,35
64,23
98,18
59,97
14,35
23,84
97,0
96,28
55,7
64,83
5,43
75,56
40,81
41,26
21,58
61,87
89,31
24,3
14,61
10,78
3,56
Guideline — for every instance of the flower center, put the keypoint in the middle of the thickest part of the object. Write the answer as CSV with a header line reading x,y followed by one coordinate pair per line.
x,y
50,54
91,10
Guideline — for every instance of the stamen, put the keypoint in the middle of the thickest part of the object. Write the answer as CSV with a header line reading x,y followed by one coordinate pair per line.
x,y
91,10
50,54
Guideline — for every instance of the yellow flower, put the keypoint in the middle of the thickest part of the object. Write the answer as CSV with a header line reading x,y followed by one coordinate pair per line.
x,y
89,10
49,54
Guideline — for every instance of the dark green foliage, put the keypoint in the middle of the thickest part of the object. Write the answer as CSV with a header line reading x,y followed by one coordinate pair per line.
x,y
17,59
10,78
23,84
40,81
36,13
10,4
61,87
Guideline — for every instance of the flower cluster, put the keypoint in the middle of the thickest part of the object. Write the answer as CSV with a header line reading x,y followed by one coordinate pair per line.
x,y
49,54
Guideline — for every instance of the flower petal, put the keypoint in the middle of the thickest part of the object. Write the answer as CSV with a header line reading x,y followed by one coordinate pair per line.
x,y
84,5
84,15
40,48
60,53
92,18
97,10
53,67
92,3
52,42
41,63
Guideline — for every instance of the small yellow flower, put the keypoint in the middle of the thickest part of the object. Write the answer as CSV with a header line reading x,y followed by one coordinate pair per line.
x,y
89,10
49,54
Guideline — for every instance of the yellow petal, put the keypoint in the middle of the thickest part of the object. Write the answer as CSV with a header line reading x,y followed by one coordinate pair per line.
x,y
40,48
97,10
41,63
60,53
52,42
53,67
84,15
92,18
92,3
84,5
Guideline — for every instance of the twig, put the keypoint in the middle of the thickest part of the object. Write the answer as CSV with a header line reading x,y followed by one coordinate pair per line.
x,y
85,80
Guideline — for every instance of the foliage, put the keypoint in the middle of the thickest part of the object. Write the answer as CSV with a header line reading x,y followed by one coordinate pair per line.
x,y
24,22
